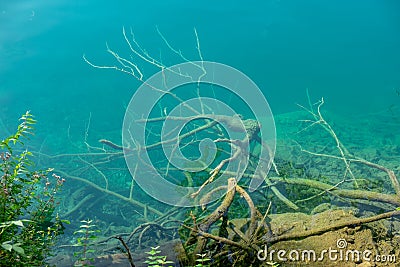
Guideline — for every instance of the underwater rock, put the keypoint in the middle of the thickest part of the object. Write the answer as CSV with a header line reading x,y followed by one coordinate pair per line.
x,y
348,242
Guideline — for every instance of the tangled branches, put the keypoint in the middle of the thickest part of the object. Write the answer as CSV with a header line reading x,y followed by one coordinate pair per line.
x,y
202,149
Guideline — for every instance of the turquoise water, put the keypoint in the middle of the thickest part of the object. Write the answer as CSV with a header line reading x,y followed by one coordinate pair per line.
x,y
345,51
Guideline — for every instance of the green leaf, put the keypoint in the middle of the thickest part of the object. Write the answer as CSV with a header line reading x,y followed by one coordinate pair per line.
x,y
153,251
18,249
7,246
18,223
150,262
163,261
80,231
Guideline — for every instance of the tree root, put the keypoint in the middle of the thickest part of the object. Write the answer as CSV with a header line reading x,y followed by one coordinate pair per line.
x,y
251,239
213,217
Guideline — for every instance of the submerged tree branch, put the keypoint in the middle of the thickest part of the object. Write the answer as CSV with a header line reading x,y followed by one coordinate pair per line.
x,y
352,223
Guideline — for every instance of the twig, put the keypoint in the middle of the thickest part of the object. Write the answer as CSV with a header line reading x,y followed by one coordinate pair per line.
x,y
319,119
253,211
127,250
348,193
128,200
217,238
390,173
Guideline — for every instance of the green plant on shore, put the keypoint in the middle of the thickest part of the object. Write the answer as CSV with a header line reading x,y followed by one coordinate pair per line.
x,y
86,237
28,225
202,261
156,260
